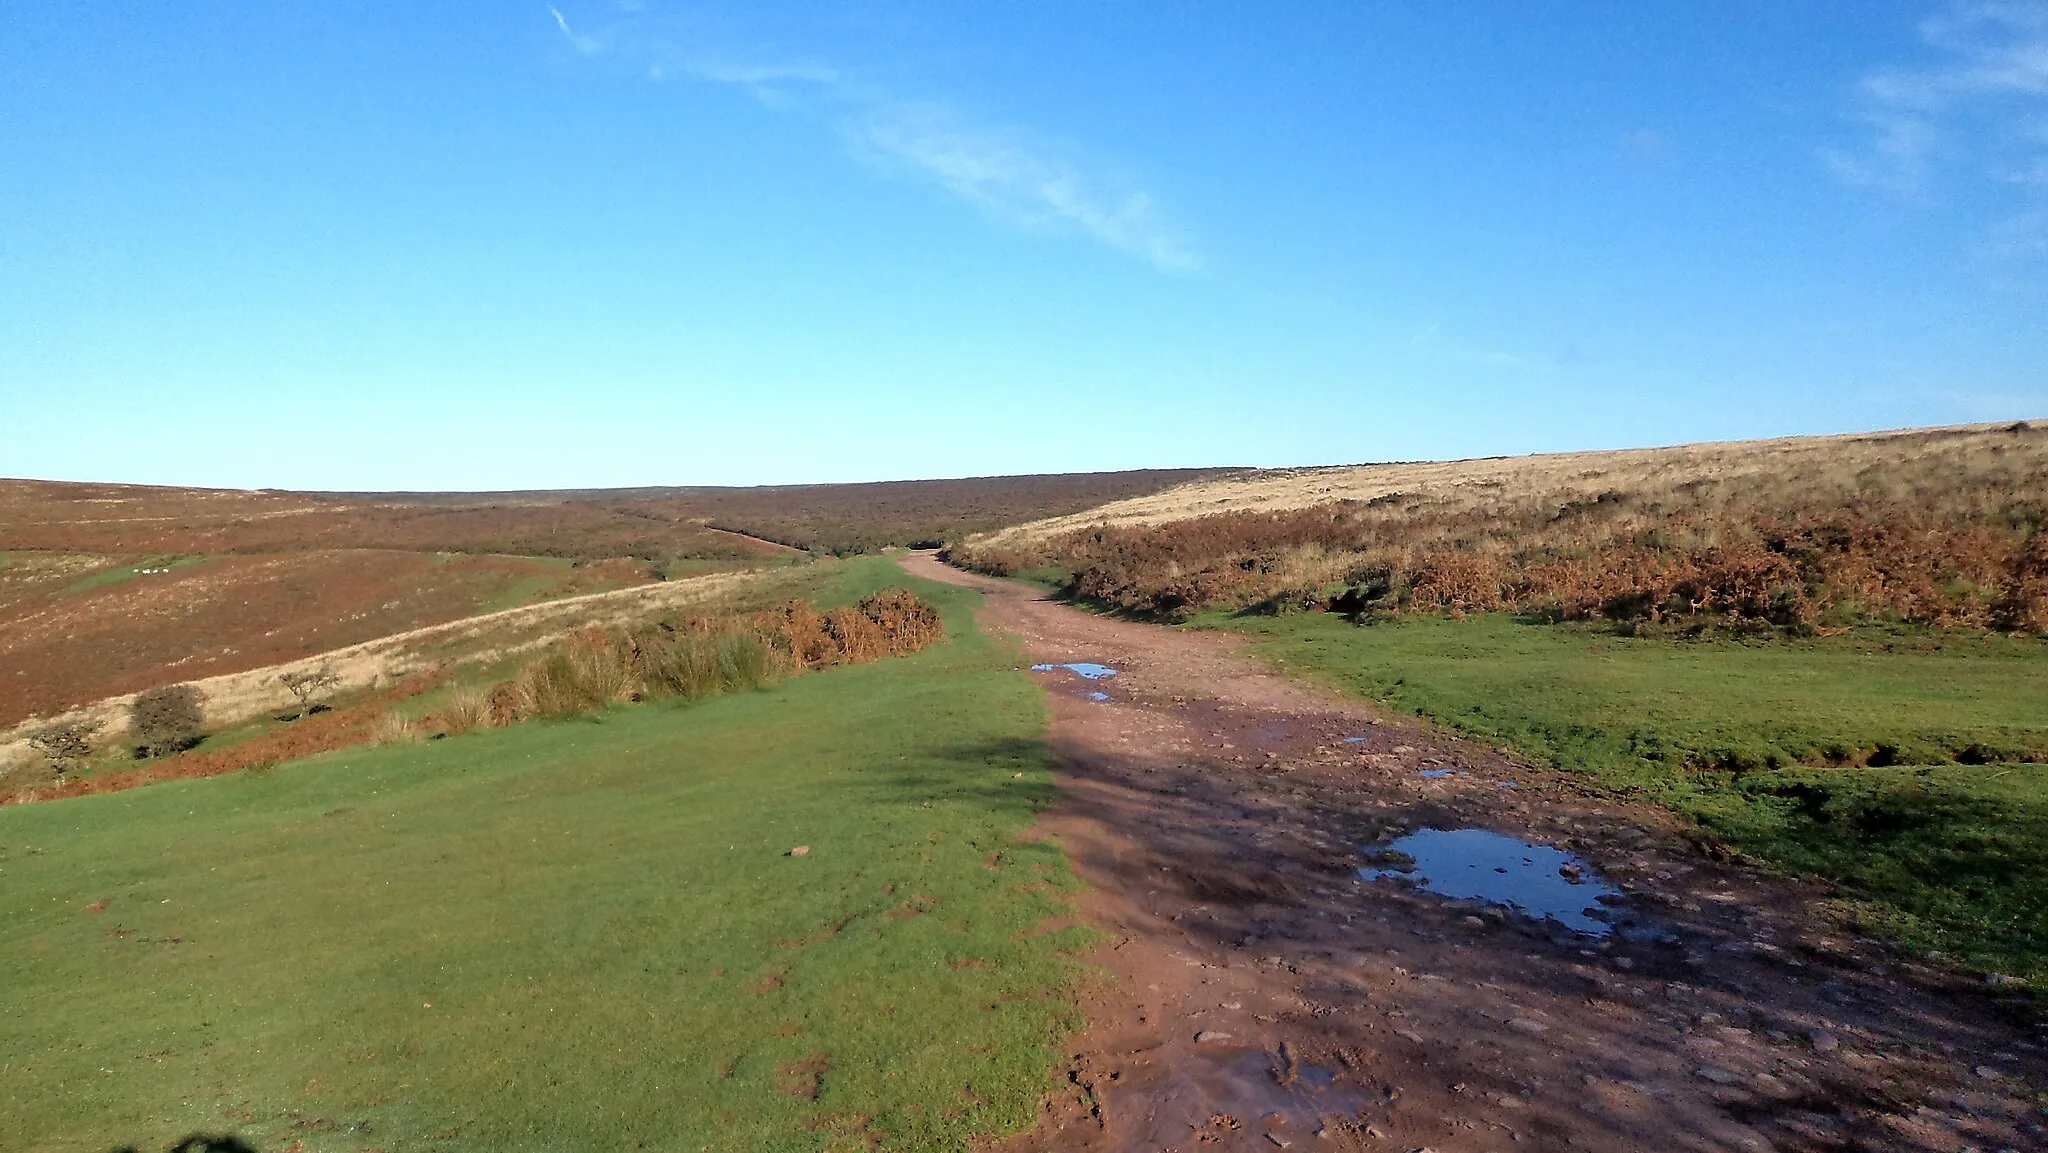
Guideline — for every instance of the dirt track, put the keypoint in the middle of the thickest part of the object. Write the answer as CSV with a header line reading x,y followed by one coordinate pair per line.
x,y
1219,816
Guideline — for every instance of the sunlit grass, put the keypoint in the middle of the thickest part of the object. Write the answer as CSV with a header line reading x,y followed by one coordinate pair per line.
x,y
578,934
1842,757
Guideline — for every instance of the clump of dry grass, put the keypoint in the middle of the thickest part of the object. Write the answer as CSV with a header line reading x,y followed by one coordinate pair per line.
x,y
393,728
467,709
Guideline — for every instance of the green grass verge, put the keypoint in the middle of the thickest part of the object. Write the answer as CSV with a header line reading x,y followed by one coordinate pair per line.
x,y
1767,744
616,950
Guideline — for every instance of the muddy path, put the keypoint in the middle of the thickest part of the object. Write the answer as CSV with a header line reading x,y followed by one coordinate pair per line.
x,y
1260,993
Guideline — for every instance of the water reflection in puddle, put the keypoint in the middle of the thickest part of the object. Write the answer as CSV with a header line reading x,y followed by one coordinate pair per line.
x,y
1474,863
1356,740
1089,669
1098,696
1439,774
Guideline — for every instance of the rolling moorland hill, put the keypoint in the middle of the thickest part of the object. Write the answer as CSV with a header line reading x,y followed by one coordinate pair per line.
x,y
1938,526
110,589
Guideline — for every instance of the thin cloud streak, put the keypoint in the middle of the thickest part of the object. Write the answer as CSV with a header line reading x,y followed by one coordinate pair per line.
x,y
1010,175
1018,180
588,45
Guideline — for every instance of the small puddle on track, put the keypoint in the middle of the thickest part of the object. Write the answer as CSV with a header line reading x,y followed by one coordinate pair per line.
x,y
1098,696
1493,867
1244,1095
1089,669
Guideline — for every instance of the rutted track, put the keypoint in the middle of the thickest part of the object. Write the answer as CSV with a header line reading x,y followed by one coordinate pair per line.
x,y
1259,995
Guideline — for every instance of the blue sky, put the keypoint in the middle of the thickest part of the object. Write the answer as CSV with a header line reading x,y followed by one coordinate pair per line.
x,y
436,245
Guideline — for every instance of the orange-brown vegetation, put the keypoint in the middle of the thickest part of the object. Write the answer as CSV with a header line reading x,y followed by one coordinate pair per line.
x,y
322,732
63,645
701,655
280,576
141,521
652,524
1949,533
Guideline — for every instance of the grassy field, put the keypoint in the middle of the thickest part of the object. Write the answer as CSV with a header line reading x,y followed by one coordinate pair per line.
x,y
581,934
1907,766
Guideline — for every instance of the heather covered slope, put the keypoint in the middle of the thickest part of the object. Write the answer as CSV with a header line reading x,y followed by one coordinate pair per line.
x,y
1930,526
109,589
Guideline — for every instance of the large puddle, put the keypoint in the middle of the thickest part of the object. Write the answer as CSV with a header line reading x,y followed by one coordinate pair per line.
x,y
1503,870
1089,669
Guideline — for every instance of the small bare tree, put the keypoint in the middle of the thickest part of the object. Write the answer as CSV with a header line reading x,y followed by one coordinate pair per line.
x,y
166,720
309,685
64,743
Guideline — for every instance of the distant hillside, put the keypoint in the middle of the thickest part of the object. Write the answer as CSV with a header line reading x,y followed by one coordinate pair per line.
x,y
108,589
1939,526
848,518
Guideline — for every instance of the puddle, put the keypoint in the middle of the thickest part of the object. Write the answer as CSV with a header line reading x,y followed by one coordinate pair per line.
x,y
1237,1093
1089,669
1439,774
1098,696
1356,740
1503,870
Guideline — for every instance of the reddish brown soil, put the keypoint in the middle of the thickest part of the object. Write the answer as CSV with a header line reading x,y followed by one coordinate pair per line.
x,y
224,614
1219,818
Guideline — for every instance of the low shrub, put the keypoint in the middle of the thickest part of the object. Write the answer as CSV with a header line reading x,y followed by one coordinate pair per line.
x,y
64,744
320,733
165,720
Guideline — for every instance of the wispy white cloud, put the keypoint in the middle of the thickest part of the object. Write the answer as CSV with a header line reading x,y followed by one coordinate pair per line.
x,y
1013,175
1974,113
1019,179
588,45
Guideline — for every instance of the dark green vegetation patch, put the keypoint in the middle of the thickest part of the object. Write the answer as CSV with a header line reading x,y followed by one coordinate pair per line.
x,y
1906,766
587,934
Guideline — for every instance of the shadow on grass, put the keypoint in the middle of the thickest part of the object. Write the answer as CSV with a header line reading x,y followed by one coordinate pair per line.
x,y
967,773
201,1143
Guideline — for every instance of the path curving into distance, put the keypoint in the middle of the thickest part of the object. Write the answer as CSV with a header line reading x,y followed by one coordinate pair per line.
x,y
1277,976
